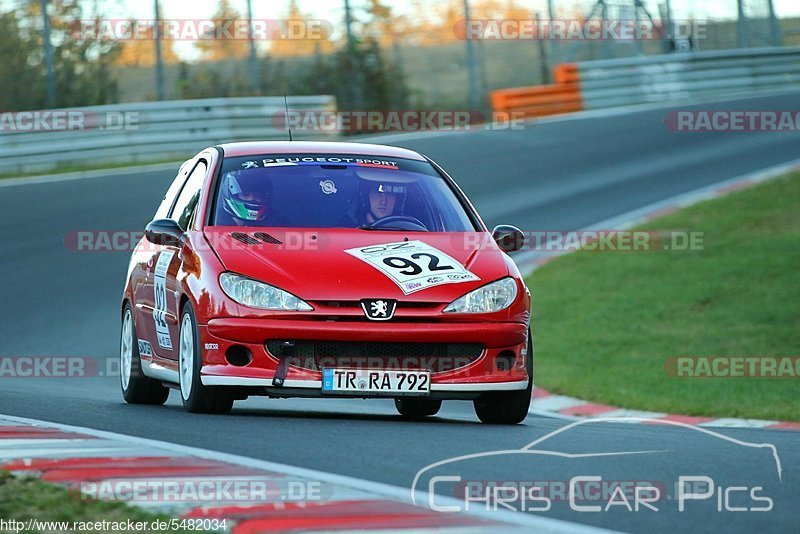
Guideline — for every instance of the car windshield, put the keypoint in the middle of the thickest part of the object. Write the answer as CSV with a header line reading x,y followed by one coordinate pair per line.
x,y
336,191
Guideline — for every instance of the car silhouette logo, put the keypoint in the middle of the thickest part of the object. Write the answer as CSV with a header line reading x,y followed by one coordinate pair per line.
x,y
379,309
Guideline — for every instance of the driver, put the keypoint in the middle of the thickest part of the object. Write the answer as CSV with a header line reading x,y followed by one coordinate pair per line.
x,y
245,197
380,200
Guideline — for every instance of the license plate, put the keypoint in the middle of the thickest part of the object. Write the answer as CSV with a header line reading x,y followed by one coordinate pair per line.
x,y
376,382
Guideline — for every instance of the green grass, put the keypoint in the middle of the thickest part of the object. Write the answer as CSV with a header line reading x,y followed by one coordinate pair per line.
x,y
606,322
23,498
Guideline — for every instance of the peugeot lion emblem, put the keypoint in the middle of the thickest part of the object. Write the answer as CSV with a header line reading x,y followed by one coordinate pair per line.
x,y
379,309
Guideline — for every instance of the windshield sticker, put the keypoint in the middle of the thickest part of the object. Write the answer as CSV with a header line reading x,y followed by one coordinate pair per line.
x,y
291,161
414,265
328,187
378,164
330,160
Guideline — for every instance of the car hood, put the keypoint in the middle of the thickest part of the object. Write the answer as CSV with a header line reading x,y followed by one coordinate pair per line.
x,y
314,264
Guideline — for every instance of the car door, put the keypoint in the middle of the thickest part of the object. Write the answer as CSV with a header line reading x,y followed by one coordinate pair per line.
x,y
144,261
166,312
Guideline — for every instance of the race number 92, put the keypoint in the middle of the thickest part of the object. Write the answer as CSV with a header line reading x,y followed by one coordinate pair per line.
x,y
409,267
414,265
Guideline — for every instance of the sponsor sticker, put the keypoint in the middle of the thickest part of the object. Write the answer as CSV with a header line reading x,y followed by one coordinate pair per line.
x,y
144,348
321,160
328,187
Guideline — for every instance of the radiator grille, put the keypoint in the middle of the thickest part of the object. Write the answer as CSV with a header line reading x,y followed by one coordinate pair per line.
x,y
435,357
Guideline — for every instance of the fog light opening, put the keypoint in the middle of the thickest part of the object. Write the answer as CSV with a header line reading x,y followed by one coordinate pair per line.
x,y
505,360
238,355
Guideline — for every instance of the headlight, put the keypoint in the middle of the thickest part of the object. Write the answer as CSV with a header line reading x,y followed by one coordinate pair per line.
x,y
489,298
256,294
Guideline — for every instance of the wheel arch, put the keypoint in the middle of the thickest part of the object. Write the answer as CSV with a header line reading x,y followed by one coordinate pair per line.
x,y
182,302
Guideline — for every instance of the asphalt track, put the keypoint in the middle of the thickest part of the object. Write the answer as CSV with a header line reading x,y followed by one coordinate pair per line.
x,y
552,176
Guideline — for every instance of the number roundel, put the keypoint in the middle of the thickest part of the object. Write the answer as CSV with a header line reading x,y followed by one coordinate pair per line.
x,y
160,299
414,265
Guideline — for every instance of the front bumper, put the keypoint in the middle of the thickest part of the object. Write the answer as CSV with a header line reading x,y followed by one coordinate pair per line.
x,y
500,366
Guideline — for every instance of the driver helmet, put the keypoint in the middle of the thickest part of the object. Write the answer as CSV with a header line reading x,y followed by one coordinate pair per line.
x,y
245,196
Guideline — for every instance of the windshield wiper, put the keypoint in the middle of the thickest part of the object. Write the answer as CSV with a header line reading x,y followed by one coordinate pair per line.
x,y
378,229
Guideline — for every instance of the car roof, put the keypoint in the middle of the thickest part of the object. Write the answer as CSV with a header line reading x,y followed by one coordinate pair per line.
x,y
253,148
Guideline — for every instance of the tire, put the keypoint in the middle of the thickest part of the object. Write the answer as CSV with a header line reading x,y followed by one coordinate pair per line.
x,y
196,397
507,407
412,408
136,387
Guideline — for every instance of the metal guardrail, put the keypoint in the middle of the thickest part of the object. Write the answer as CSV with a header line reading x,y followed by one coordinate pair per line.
x,y
144,131
651,79
672,77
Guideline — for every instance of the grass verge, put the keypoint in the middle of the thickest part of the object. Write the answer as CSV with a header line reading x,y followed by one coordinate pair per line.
x,y
24,498
605,323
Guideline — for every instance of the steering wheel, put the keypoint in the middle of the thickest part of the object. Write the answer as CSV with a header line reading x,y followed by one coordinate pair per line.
x,y
401,222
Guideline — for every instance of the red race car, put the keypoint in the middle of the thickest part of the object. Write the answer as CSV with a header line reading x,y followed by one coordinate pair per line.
x,y
320,269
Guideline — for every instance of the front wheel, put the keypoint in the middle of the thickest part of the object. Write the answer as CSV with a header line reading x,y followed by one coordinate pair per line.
x,y
136,387
196,397
507,407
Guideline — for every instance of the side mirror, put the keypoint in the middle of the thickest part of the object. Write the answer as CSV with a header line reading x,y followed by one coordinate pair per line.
x,y
163,232
508,238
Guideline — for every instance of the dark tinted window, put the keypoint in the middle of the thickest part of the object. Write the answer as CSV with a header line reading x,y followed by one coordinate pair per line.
x,y
190,194
169,197
334,191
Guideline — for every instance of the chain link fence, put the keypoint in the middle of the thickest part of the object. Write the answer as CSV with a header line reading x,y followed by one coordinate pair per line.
x,y
421,43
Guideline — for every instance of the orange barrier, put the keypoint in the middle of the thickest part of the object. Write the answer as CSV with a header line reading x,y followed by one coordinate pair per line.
x,y
564,96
